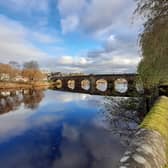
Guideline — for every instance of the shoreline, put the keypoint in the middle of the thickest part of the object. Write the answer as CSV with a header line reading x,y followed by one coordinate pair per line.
x,y
23,85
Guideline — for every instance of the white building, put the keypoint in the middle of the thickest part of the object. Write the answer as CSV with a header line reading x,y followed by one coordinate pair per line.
x,y
4,77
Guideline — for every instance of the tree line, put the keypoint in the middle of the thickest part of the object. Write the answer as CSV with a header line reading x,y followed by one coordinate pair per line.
x,y
13,71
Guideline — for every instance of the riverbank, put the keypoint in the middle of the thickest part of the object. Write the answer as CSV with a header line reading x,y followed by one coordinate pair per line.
x,y
149,148
23,85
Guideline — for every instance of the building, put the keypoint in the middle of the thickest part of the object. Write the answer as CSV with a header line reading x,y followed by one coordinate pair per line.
x,y
4,77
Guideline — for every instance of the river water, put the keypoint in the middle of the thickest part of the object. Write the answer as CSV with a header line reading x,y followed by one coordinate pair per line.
x,y
52,129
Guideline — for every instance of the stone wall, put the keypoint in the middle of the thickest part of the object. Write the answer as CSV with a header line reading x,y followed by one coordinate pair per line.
x,y
149,147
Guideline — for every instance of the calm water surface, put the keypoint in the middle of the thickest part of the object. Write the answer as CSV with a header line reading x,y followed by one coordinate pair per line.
x,y
54,129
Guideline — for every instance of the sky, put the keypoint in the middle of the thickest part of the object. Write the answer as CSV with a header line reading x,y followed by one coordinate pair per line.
x,y
89,36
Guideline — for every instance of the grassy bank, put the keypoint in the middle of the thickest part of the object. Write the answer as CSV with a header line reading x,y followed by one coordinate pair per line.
x,y
157,119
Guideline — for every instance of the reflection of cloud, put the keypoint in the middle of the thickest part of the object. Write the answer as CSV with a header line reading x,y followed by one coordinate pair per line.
x,y
64,97
18,121
60,139
70,132
14,123
94,147
30,151
104,148
76,97
73,156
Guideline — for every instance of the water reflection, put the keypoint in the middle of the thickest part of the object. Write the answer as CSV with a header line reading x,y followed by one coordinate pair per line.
x,y
65,130
33,99
124,116
11,100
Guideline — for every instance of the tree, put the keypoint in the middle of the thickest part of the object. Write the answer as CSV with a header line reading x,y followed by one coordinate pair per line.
x,y
153,67
31,65
7,72
32,72
14,64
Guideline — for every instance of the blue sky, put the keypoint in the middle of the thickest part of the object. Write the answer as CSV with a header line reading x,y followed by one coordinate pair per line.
x,y
91,36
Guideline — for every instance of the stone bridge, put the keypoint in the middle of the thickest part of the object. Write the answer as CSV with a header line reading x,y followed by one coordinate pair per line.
x,y
104,84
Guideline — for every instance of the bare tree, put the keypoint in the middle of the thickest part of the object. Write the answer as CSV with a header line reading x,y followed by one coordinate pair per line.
x,y
31,71
6,71
15,64
33,74
31,65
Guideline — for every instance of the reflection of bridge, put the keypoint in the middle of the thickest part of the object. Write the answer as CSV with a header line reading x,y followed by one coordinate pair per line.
x,y
76,84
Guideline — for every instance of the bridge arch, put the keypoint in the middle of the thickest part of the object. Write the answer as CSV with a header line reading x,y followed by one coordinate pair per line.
x,y
85,84
101,85
71,84
121,85
58,84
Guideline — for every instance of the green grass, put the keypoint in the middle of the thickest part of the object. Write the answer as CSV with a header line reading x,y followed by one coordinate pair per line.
x,y
157,119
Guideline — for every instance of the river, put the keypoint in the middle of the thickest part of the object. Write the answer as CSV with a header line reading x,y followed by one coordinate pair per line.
x,y
52,129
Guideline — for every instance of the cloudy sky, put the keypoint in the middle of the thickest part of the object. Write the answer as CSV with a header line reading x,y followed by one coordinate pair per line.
x,y
91,36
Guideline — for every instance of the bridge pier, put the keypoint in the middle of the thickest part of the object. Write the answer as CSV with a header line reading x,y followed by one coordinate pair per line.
x,y
92,84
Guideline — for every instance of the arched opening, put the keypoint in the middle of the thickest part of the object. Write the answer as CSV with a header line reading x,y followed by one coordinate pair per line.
x,y
58,84
71,84
101,85
85,84
121,85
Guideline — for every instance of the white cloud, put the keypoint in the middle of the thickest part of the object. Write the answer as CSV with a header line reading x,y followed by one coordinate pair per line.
x,y
71,60
110,23
70,11
69,7
66,60
101,63
101,14
107,21
69,24
26,5
43,38
83,60
96,15
16,42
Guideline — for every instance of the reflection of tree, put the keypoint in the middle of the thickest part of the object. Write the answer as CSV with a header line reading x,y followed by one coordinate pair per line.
x,y
124,116
12,102
33,98
9,103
